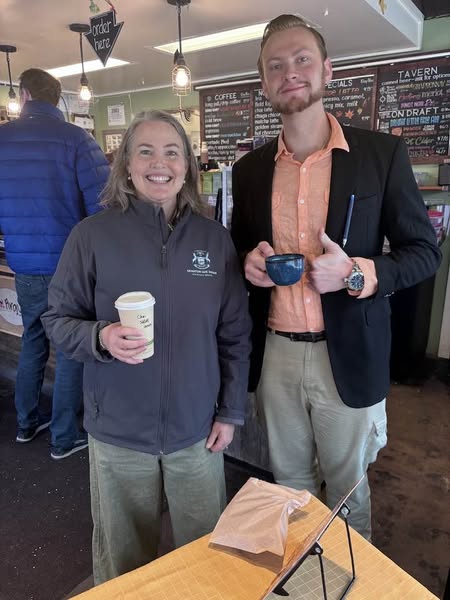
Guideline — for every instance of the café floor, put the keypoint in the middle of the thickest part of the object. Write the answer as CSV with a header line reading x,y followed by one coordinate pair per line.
x,y
45,524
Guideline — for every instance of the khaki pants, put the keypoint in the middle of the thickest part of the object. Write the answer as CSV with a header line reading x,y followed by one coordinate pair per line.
x,y
126,499
311,431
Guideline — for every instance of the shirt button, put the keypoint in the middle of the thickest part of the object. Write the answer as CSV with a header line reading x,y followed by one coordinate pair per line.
x,y
304,170
302,235
302,201
308,300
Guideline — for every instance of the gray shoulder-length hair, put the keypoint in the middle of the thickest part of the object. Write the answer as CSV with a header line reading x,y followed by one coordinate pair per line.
x,y
119,186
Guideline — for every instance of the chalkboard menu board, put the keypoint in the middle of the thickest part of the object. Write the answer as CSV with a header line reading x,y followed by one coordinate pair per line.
x,y
350,100
265,121
232,113
225,119
414,102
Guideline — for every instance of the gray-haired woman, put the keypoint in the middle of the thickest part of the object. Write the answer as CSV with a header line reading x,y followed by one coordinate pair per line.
x,y
162,423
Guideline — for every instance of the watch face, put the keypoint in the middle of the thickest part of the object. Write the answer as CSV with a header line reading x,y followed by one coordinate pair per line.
x,y
356,281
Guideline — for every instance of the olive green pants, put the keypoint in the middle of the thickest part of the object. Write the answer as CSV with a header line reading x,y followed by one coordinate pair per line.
x,y
126,501
312,434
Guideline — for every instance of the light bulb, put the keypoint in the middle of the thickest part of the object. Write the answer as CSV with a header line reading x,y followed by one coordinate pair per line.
x,y
181,77
13,107
85,93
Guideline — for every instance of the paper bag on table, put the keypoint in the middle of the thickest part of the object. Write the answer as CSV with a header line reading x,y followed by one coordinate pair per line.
x,y
256,520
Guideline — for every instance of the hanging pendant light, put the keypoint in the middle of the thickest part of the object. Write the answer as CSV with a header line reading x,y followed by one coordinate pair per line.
x,y
85,92
181,74
13,107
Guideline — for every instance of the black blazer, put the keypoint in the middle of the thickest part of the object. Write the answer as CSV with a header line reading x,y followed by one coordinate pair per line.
x,y
387,203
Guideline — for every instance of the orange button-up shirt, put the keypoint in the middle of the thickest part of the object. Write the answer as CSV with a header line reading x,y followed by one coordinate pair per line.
x,y
300,194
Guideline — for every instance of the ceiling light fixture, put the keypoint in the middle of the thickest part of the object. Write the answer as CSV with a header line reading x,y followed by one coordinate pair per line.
x,y
181,74
85,92
223,38
13,107
215,40
88,65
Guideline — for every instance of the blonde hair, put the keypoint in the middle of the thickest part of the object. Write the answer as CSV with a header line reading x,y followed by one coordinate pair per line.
x,y
119,186
283,23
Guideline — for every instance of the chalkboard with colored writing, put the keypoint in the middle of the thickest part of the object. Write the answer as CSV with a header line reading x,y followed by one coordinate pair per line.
x,y
225,118
351,100
414,101
232,113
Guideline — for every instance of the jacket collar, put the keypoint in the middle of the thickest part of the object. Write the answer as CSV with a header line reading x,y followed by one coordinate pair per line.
x,y
150,214
34,108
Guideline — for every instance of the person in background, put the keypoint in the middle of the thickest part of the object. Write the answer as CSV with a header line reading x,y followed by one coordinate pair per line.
x,y
320,362
160,424
51,175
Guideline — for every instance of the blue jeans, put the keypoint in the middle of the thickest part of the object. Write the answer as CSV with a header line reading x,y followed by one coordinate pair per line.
x,y
32,294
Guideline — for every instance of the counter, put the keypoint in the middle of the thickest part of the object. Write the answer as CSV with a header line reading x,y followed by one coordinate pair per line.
x,y
197,571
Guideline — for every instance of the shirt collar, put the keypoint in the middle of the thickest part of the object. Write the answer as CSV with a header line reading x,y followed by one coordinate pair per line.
x,y
337,140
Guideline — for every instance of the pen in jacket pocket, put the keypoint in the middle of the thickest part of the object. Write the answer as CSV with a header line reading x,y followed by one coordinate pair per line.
x,y
348,220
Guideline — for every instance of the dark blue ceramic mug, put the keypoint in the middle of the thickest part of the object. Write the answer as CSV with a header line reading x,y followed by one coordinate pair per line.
x,y
285,269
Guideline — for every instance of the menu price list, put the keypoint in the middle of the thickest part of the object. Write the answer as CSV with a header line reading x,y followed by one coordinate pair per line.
x,y
266,122
350,100
226,119
414,102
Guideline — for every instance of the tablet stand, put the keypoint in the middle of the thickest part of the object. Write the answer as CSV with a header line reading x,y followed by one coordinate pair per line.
x,y
317,550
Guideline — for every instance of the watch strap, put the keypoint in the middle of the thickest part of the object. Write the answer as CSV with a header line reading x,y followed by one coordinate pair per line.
x,y
355,273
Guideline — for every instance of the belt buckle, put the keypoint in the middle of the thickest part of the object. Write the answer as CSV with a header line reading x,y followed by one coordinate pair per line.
x,y
292,337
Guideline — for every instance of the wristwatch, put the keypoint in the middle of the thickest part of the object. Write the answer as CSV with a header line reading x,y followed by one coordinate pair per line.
x,y
355,281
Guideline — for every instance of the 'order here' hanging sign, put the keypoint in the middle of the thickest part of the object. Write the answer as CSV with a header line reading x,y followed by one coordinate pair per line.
x,y
103,34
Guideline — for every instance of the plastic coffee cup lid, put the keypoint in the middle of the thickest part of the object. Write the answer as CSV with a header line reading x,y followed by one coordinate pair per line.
x,y
133,300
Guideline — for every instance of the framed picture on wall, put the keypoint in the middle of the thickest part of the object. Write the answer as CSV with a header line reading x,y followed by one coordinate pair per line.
x,y
112,139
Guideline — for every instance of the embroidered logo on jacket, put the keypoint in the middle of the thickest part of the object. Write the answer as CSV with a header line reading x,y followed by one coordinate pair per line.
x,y
201,259
201,263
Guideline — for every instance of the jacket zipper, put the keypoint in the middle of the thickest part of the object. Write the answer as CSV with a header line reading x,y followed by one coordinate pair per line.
x,y
165,347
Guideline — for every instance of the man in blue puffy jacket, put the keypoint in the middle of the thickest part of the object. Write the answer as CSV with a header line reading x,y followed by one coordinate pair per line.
x,y
51,175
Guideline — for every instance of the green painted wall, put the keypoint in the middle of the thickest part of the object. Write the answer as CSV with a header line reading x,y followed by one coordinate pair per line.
x,y
162,99
436,34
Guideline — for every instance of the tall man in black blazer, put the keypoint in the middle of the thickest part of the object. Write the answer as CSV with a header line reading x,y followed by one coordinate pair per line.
x,y
320,363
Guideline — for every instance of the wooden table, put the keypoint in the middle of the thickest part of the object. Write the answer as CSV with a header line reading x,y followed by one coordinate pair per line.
x,y
200,572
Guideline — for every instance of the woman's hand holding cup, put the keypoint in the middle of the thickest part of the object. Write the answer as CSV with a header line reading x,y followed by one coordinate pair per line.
x,y
115,339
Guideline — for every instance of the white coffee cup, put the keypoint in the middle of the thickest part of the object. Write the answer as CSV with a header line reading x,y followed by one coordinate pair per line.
x,y
136,310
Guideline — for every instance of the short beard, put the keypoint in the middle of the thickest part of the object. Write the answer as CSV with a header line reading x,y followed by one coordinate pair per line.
x,y
297,105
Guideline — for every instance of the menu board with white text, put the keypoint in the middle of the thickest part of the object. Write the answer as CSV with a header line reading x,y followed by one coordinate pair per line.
x,y
414,102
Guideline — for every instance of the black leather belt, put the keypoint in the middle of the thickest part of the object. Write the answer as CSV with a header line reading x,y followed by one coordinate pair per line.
x,y
308,336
